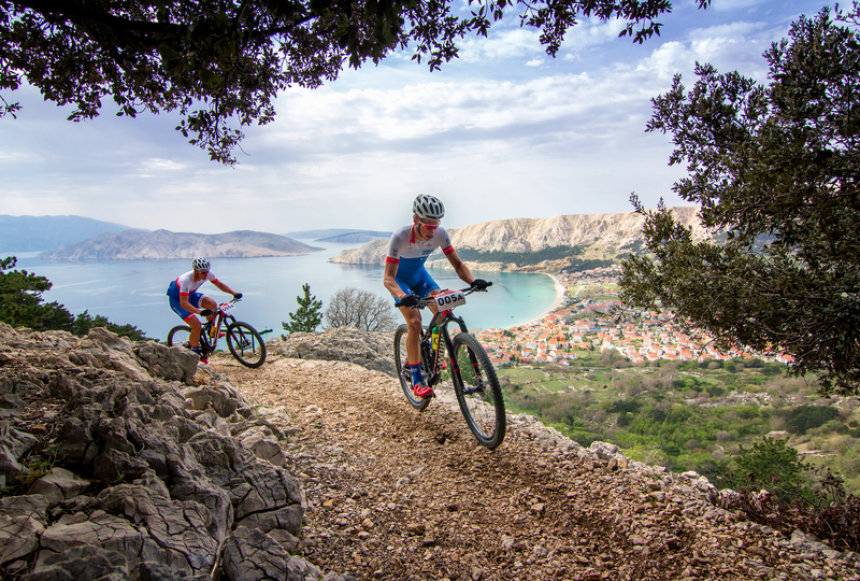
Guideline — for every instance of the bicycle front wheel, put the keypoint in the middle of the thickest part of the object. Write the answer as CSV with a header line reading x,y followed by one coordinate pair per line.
x,y
246,344
403,371
179,335
478,391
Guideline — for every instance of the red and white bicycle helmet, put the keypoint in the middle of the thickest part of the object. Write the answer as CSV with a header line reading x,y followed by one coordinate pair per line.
x,y
428,207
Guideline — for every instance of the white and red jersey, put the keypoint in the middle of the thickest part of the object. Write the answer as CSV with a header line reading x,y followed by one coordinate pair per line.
x,y
186,284
410,253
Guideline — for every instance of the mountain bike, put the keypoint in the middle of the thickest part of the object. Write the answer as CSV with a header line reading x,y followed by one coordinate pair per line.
x,y
243,340
475,383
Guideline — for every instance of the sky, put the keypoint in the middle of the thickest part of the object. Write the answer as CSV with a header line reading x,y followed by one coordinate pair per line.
x,y
505,131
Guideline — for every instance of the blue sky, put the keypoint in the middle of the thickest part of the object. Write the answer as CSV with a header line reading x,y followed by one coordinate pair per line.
x,y
503,132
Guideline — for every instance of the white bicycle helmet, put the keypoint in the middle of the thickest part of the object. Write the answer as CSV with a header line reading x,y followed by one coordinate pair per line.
x,y
200,264
428,207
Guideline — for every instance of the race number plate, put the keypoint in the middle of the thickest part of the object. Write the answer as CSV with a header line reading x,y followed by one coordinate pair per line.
x,y
228,306
449,300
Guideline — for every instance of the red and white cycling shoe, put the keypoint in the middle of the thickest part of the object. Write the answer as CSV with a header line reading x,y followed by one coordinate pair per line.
x,y
422,390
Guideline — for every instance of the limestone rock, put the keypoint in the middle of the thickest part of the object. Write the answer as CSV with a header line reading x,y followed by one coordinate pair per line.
x,y
123,479
364,348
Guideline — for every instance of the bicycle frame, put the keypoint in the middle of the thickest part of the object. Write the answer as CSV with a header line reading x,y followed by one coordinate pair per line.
x,y
442,318
221,314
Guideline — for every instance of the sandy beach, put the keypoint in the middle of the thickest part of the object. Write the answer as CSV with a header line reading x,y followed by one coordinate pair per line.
x,y
557,303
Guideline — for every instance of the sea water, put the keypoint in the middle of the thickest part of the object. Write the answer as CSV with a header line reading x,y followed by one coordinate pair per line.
x,y
133,291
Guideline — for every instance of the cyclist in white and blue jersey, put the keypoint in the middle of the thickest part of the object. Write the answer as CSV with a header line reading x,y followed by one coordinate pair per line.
x,y
187,302
407,279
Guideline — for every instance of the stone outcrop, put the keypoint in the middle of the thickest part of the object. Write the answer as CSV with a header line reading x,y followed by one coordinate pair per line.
x,y
370,350
163,244
602,235
123,460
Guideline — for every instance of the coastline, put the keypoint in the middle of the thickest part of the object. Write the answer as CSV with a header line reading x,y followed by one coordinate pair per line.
x,y
556,305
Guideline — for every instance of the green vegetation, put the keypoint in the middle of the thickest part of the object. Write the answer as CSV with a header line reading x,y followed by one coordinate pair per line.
x,y
687,415
308,316
21,305
775,168
772,465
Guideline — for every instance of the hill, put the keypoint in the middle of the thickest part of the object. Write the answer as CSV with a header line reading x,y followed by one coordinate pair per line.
x,y
538,243
163,244
130,461
38,233
355,237
339,235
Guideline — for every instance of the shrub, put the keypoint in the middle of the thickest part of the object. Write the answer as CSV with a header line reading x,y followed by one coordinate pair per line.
x,y
21,305
804,418
771,464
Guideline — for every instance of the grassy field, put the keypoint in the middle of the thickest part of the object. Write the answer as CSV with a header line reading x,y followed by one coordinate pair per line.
x,y
690,415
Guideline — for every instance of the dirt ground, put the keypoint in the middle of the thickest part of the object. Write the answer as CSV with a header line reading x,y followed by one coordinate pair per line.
x,y
398,494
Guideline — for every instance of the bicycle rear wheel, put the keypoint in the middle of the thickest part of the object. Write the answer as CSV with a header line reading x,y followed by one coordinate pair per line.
x,y
179,335
246,344
478,391
403,372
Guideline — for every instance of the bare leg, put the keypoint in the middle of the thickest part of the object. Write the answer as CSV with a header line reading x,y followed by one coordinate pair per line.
x,y
413,334
194,323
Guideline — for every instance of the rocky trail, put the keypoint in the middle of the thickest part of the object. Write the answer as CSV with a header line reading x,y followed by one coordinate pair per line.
x,y
394,493
129,461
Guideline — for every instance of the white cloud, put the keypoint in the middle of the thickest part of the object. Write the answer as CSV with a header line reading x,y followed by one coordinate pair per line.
x,y
734,5
504,131
158,166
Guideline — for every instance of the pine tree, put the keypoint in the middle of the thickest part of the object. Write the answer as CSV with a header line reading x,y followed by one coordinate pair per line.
x,y
308,316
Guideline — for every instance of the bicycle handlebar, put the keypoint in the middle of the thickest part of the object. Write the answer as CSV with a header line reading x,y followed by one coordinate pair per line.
x,y
220,307
429,300
232,301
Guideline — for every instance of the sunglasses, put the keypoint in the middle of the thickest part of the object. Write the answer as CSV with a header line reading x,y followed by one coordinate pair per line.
x,y
428,226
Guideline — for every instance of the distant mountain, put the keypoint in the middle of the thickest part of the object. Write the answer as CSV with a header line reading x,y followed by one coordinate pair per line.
x,y
339,235
537,244
33,233
163,244
356,237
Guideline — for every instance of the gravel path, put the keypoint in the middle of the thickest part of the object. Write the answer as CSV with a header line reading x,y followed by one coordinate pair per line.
x,y
394,493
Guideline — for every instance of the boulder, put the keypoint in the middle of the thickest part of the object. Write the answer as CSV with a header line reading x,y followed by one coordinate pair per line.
x,y
368,349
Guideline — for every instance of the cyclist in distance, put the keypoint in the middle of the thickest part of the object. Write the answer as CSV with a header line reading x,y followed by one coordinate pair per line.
x,y
407,279
187,302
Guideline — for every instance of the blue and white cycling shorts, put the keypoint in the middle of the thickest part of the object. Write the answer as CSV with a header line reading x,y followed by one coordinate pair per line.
x,y
417,282
173,294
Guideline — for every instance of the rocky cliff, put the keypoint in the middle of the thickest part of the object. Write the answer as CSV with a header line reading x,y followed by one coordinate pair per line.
x,y
123,460
596,235
163,244
130,461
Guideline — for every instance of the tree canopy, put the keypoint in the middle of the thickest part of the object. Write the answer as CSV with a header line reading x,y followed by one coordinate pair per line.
x,y
775,169
220,64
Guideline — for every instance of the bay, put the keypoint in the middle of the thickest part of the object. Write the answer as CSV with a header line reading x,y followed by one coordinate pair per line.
x,y
133,292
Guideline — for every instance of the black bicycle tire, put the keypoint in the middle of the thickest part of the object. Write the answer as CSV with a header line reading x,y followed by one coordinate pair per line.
x,y
233,344
490,440
399,363
172,333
